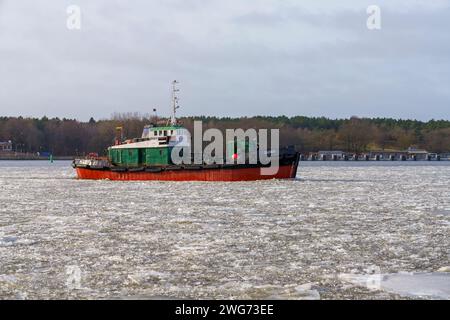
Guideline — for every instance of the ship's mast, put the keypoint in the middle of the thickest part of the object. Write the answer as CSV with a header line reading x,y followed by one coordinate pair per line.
x,y
175,105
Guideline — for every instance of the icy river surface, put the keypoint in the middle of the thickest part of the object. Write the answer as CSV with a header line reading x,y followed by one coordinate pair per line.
x,y
352,230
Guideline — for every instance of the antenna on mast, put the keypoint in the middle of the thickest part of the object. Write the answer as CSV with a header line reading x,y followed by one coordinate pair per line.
x,y
175,99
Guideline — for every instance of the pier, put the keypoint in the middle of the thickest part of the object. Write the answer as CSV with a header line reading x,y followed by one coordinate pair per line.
x,y
372,156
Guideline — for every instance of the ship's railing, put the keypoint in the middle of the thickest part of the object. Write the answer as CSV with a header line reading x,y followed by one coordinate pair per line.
x,y
91,162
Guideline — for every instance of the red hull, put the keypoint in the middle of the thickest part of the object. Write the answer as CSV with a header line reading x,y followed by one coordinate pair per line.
x,y
234,174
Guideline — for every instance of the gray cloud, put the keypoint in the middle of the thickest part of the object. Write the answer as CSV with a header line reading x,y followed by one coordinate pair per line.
x,y
232,57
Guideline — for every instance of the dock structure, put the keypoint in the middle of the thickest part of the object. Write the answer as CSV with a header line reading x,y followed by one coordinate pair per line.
x,y
407,155
6,146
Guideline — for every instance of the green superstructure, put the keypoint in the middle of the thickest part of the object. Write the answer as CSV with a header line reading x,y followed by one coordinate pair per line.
x,y
136,157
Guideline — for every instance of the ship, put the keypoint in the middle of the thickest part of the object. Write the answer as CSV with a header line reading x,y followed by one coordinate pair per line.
x,y
150,158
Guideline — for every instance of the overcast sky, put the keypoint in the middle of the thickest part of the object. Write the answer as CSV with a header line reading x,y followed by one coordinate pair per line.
x,y
232,58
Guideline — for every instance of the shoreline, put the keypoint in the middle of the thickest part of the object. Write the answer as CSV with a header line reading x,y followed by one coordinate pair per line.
x,y
35,158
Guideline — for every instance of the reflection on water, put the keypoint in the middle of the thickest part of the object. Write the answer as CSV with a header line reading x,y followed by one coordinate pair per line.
x,y
65,238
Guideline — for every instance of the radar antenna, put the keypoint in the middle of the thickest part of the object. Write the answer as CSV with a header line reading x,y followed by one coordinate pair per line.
x,y
175,99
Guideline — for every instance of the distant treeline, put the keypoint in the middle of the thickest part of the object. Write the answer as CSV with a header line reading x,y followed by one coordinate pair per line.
x,y
68,137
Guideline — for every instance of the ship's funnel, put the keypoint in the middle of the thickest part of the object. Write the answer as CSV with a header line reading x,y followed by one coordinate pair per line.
x,y
119,137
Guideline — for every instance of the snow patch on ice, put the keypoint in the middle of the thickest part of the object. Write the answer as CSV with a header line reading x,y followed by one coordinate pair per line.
x,y
435,285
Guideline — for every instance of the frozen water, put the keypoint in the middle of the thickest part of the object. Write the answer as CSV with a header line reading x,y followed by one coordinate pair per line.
x,y
435,285
292,239
423,285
